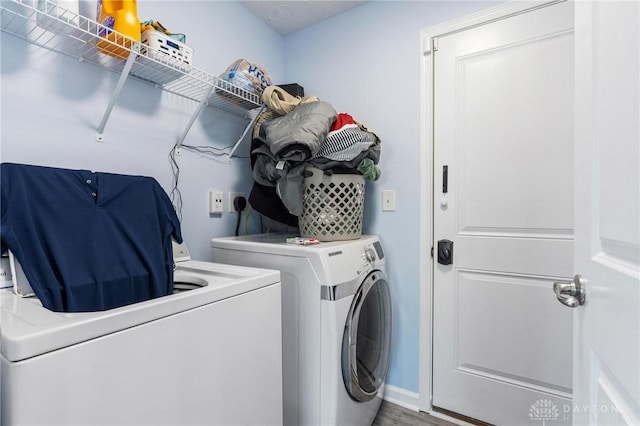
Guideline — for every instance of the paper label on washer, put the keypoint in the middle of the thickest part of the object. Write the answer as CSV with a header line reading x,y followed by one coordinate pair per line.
x,y
5,273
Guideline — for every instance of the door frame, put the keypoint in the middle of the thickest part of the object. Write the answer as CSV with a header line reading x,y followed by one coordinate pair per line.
x,y
426,190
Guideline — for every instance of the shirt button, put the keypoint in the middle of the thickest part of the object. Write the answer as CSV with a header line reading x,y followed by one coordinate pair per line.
x,y
94,194
88,180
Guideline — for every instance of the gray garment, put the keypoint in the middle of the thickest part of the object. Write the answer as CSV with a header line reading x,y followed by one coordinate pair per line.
x,y
288,180
297,136
289,140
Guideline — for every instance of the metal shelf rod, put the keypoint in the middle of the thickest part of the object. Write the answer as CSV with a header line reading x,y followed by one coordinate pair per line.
x,y
116,92
201,105
246,130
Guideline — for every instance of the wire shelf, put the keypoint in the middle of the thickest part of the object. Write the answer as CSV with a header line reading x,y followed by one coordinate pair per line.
x,y
45,24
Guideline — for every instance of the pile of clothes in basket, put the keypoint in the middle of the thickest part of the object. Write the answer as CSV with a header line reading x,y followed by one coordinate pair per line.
x,y
293,133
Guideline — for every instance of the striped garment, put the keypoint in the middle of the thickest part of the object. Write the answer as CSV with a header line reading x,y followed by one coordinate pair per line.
x,y
346,143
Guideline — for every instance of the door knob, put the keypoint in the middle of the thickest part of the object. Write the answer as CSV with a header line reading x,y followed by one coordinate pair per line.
x,y
571,294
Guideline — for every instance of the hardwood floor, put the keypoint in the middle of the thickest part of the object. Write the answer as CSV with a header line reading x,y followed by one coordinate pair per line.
x,y
395,415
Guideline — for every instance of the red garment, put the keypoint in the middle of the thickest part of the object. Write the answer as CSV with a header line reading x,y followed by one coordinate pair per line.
x,y
342,120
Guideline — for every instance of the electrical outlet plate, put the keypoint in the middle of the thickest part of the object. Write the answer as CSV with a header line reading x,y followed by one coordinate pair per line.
x,y
232,196
216,203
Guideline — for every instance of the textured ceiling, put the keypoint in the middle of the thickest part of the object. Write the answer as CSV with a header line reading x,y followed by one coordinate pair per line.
x,y
288,16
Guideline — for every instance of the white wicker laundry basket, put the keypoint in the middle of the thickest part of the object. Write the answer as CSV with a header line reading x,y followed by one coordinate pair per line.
x,y
332,206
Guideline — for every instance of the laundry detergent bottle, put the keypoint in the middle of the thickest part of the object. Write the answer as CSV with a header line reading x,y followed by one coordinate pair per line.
x,y
118,19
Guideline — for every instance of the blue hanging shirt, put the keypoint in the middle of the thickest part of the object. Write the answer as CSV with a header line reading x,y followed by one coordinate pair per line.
x,y
88,241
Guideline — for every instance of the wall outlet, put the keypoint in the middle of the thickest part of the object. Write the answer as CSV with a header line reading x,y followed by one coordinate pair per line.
x,y
232,196
216,203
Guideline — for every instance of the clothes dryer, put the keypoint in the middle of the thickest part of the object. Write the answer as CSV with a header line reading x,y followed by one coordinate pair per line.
x,y
199,356
336,318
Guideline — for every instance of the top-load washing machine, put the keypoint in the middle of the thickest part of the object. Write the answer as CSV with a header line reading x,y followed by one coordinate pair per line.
x,y
199,356
336,319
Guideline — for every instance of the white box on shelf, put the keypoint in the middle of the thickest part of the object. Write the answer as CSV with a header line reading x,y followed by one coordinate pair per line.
x,y
160,42
174,55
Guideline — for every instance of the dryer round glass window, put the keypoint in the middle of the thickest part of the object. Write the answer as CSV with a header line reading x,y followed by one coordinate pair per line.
x,y
367,338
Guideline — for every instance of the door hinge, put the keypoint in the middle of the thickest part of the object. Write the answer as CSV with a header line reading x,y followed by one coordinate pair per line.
x,y
435,44
432,252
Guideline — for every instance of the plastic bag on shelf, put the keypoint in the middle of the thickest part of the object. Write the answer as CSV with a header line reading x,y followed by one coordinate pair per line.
x,y
247,76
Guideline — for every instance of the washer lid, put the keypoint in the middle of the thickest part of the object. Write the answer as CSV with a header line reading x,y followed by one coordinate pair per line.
x,y
29,329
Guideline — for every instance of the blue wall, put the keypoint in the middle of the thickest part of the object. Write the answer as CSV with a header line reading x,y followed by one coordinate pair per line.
x,y
364,62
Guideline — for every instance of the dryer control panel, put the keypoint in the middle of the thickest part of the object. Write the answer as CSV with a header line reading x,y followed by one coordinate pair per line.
x,y
372,252
350,260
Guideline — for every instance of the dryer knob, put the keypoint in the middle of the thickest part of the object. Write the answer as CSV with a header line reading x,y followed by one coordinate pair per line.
x,y
370,255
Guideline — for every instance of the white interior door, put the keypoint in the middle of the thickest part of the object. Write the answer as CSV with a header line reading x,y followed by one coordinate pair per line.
x,y
607,219
503,126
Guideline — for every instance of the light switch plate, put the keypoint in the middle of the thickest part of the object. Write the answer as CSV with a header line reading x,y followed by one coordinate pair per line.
x,y
388,200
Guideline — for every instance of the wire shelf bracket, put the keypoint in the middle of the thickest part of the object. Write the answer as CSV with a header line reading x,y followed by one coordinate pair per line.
x,y
248,127
201,105
116,92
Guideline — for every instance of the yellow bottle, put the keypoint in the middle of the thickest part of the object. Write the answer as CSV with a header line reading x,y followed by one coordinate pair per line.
x,y
121,17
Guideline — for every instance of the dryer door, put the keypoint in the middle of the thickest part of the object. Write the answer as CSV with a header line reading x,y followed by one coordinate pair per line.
x,y
367,337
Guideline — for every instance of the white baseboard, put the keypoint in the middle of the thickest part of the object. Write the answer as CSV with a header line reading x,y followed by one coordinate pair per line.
x,y
401,397
410,401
